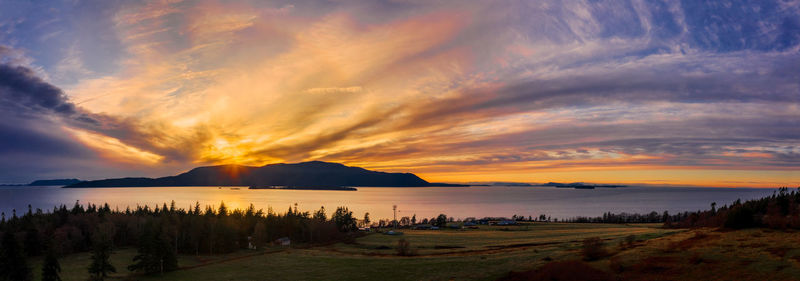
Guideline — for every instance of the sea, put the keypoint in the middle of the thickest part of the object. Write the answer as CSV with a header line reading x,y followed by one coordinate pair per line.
x,y
379,202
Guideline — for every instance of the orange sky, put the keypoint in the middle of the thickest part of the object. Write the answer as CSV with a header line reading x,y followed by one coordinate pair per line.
x,y
455,92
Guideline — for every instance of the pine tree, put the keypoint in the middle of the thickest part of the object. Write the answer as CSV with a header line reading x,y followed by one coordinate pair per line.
x,y
101,252
155,253
13,264
51,268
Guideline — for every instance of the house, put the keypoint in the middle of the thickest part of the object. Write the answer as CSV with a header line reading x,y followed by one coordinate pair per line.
x,y
283,241
250,244
469,223
507,222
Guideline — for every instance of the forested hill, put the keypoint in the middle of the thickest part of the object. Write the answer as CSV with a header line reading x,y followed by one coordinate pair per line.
x,y
306,174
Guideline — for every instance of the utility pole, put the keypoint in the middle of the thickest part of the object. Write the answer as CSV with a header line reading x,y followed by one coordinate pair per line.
x,y
394,209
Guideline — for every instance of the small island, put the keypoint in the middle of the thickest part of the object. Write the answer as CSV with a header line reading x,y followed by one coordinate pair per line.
x,y
580,185
334,188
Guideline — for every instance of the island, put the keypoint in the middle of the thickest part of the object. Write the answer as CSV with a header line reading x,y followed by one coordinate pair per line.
x,y
306,175
56,182
336,188
580,185
61,182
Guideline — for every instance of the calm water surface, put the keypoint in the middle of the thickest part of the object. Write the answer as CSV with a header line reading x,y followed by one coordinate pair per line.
x,y
459,202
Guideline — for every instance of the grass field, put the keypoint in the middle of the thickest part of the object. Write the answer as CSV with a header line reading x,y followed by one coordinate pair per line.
x,y
492,252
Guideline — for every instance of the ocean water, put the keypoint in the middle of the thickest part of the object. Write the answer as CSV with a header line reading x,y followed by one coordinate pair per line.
x,y
425,202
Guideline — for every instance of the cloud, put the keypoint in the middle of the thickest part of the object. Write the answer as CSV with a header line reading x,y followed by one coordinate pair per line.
x,y
436,87
21,89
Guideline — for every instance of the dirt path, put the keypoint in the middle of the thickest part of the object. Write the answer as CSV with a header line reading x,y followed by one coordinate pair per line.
x,y
490,250
231,259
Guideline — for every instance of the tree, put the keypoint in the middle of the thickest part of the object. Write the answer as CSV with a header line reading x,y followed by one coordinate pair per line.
x,y
50,267
155,253
259,235
13,264
223,210
344,219
101,252
366,219
441,220
320,214
32,243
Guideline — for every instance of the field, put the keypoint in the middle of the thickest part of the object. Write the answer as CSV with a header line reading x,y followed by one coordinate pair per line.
x,y
491,252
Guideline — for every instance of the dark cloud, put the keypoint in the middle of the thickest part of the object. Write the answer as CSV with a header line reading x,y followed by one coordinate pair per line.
x,y
21,89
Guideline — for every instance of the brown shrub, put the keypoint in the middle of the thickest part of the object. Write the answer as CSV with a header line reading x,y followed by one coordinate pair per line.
x,y
695,259
404,248
593,248
616,266
630,239
562,271
778,251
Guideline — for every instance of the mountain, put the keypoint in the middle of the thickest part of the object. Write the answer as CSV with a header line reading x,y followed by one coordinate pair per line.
x,y
306,174
54,182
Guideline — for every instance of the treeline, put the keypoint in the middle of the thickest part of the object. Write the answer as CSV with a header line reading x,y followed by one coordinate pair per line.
x,y
159,233
780,211
608,217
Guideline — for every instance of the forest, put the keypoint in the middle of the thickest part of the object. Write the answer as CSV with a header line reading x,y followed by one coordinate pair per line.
x,y
159,234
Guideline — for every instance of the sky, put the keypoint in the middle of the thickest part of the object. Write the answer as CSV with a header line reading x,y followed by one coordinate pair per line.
x,y
658,92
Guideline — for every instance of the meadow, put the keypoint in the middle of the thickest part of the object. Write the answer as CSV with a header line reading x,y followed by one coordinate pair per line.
x,y
491,252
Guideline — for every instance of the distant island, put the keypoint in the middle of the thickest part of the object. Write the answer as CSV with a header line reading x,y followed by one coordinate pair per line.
x,y
307,175
339,188
61,182
580,185
498,183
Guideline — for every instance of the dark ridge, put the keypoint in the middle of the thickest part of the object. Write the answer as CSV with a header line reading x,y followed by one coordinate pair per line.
x,y
306,174
61,182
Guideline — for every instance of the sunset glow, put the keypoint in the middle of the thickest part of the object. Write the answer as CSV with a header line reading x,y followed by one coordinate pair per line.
x,y
451,91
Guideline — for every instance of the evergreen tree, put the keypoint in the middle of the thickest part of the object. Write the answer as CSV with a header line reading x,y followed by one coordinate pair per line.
x,y
344,219
260,235
32,242
101,252
223,210
320,214
13,264
155,253
51,268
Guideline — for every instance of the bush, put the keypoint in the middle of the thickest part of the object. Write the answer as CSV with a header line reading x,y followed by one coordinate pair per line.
x,y
630,239
740,217
404,248
593,249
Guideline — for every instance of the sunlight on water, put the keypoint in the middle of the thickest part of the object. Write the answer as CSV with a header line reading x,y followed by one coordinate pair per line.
x,y
425,202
